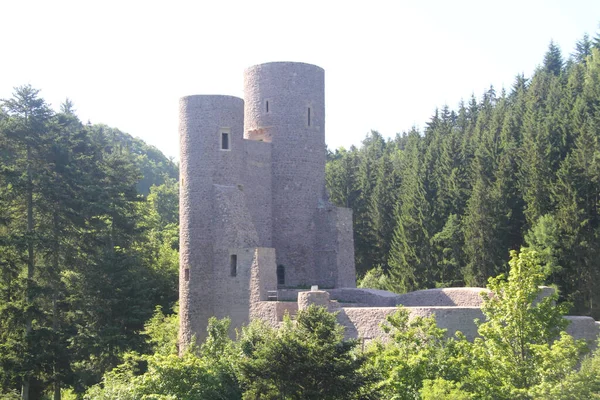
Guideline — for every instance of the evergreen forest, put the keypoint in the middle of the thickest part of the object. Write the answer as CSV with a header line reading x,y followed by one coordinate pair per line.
x,y
519,167
502,192
88,245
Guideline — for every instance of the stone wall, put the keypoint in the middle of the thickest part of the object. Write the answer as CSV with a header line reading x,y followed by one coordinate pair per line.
x,y
334,247
583,328
461,297
256,184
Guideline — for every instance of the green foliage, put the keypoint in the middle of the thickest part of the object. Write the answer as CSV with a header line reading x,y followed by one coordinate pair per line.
x,y
522,350
162,331
76,285
574,384
522,343
375,278
154,166
440,388
305,359
418,351
207,374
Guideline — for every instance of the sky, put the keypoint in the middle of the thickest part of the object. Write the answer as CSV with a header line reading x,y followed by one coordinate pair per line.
x,y
388,64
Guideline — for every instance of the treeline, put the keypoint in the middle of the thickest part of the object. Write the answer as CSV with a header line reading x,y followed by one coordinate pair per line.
x,y
84,258
444,207
522,353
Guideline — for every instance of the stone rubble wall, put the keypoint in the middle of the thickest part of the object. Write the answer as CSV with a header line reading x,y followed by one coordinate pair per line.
x,y
365,322
446,297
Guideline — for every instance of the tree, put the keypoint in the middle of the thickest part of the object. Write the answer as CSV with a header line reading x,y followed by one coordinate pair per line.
x,y
417,351
553,61
305,359
522,334
409,258
25,133
583,49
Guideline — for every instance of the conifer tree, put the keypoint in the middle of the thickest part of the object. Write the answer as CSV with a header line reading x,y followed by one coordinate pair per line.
x,y
410,256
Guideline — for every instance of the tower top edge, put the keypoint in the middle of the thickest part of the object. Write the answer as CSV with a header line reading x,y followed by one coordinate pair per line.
x,y
210,96
284,64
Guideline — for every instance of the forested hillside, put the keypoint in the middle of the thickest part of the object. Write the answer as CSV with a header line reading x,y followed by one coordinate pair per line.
x,y
520,167
84,257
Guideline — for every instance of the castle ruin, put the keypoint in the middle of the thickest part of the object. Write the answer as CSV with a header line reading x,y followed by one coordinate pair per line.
x,y
256,227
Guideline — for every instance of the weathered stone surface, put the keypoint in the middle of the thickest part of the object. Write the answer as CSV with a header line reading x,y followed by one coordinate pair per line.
x,y
447,297
315,297
583,328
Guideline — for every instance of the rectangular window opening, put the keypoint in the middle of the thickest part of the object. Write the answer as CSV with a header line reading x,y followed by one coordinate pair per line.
x,y
186,274
267,103
280,275
233,264
224,140
308,116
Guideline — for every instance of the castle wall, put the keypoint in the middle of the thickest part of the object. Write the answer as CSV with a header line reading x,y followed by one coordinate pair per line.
x,y
334,248
445,297
257,187
294,123
584,328
235,237
346,269
202,165
262,280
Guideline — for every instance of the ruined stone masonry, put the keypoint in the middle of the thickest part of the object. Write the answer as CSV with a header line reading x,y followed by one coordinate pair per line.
x,y
256,227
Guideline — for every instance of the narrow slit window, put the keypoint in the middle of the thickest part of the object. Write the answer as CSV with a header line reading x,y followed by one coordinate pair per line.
x,y
224,140
280,275
233,264
267,105
308,116
186,274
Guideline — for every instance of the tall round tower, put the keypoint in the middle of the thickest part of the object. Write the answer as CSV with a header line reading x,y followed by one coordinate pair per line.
x,y
285,105
210,132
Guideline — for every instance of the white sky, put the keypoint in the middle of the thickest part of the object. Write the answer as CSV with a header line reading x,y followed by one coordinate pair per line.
x,y
388,64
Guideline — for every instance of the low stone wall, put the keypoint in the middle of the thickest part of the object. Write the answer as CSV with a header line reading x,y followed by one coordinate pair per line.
x,y
365,322
364,297
583,328
286,307
455,309
447,297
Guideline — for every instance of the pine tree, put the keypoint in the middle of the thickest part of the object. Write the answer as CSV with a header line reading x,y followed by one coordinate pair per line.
x,y
26,130
381,209
409,259
583,49
372,150
553,60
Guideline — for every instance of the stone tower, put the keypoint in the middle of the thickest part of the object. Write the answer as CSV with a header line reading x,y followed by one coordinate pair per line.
x,y
254,216
294,123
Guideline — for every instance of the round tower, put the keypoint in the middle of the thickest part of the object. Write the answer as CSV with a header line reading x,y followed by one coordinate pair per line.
x,y
211,150
285,105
